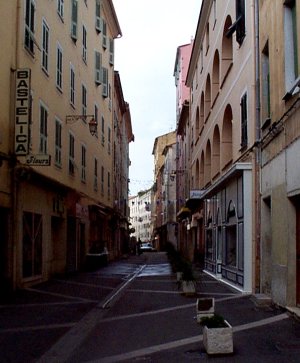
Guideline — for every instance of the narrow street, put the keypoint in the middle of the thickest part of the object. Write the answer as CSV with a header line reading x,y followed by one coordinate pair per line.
x,y
132,311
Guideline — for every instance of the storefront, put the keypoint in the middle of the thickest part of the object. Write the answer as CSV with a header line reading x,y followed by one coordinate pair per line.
x,y
228,228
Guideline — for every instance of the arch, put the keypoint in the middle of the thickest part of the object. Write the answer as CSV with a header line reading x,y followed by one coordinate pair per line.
x,y
201,175
201,112
207,165
207,99
216,145
197,124
216,76
197,175
227,49
226,148
231,235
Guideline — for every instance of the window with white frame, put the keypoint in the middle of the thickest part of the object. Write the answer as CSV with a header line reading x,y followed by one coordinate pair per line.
x,y
43,129
111,51
104,34
72,85
58,144
45,46
290,46
98,22
84,44
59,67
83,163
95,174
60,8
83,99
71,154
29,25
104,82
98,61
74,19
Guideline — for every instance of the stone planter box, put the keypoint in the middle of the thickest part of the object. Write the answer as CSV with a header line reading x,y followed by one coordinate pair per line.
x,y
205,307
218,340
188,287
178,276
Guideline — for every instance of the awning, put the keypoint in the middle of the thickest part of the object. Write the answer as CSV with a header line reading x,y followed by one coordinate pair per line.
x,y
184,212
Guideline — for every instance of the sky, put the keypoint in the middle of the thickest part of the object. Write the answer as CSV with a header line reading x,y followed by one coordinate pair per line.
x,y
145,58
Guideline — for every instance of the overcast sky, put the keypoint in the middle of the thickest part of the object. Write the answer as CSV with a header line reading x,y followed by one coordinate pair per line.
x,y
145,58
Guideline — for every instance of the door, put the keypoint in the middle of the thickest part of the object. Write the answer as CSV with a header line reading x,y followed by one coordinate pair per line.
x,y
298,253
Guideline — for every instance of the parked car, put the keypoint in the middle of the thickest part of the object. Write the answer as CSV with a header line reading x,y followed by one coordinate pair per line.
x,y
147,247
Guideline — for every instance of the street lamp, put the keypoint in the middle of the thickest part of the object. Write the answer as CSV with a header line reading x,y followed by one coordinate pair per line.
x,y
70,119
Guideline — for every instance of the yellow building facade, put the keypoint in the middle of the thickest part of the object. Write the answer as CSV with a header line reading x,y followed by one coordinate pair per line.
x,y
56,186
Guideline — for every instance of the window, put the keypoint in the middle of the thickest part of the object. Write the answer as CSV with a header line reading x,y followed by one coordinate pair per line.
x,y
104,82
84,43
83,99
108,184
240,20
72,85
59,67
207,37
290,46
43,129
98,23
74,19
111,51
244,116
109,140
45,46
83,163
71,154
265,79
98,62
102,180
95,174
102,131
104,34
29,25
58,129
60,8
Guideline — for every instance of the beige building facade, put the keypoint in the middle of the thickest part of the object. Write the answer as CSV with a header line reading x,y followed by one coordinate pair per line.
x,y
56,186
223,164
280,147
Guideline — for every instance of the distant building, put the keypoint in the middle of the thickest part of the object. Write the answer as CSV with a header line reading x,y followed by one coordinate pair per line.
x,y
140,215
159,229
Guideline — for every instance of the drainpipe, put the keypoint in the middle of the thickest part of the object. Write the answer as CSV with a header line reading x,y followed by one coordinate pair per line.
x,y
257,153
14,182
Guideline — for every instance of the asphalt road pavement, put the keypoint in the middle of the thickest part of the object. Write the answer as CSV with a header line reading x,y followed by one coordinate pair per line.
x,y
132,311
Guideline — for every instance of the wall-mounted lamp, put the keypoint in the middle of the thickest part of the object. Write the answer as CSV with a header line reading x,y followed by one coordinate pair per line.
x,y
70,119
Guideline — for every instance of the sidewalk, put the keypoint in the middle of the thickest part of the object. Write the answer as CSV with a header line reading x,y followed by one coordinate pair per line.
x,y
132,311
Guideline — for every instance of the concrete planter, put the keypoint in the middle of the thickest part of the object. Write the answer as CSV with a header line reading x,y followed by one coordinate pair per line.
x,y
218,340
205,307
178,276
188,287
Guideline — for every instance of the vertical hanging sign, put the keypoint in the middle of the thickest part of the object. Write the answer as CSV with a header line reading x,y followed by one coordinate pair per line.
x,y
22,111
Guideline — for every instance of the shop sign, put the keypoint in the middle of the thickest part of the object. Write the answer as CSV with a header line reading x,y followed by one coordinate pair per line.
x,y
38,160
82,211
22,111
196,194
